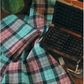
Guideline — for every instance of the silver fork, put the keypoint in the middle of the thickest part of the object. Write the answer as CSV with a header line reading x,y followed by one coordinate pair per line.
x,y
64,66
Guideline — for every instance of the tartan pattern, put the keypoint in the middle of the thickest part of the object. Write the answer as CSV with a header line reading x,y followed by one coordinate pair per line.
x,y
44,6
15,36
34,13
39,67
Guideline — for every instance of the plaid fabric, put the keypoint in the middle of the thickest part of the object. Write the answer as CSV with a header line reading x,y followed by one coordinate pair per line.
x,y
15,36
44,6
38,68
34,67
34,13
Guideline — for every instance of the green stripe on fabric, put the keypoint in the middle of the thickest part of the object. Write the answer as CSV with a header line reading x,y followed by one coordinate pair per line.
x,y
4,60
39,65
38,49
3,23
25,30
10,42
9,19
19,75
49,74
25,78
25,18
3,49
51,81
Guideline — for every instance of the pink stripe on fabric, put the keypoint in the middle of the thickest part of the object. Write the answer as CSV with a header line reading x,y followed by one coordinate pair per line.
x,y
36,41
65,80
13,66
26,44
5,70
41,82
40,22
33,65
16,47
17,24
4,35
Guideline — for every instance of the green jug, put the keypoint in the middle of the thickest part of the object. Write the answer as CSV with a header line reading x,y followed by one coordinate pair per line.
x,y
12,6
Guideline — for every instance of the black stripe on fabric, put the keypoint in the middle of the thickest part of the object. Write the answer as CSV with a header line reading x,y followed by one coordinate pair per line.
x,y
8,50
52,81
39,65
4,67
7,77
44,82
15,32
7,53
8,25
35,57
23,16
44,31
12,34
57,78
34,21
29,73
52,67
15,59
3,23
41,69
35,5
19,72
46,7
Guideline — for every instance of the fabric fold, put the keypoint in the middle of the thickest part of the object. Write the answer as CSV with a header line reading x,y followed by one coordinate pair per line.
x,y
15,36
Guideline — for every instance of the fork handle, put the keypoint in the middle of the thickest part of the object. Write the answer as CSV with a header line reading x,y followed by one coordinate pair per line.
x,y
70,76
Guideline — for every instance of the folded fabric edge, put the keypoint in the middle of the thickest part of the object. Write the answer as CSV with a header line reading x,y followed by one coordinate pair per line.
x,y
7,20
16,56
10,16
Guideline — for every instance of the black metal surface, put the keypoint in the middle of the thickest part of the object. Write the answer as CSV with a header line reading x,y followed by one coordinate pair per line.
x,y
64,42
68,17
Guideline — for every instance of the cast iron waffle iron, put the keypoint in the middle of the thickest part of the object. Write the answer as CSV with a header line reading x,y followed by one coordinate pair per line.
x,y
65,36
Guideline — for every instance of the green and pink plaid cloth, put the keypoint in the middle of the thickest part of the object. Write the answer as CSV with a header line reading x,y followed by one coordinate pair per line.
x,y
24,63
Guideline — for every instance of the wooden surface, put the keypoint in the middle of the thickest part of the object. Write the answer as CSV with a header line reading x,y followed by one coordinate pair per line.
x,y
75,3
3,14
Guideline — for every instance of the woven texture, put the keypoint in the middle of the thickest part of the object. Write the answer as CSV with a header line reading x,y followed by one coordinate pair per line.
x,y
44,6
34,67
15,36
